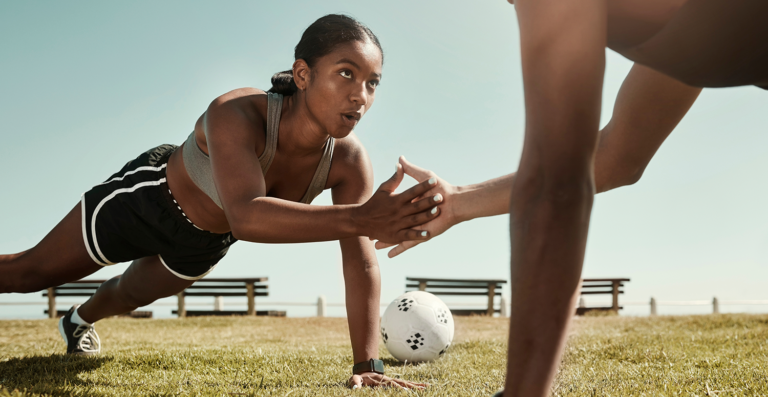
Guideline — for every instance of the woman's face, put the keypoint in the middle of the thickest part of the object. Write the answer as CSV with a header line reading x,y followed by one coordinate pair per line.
x,y
342,85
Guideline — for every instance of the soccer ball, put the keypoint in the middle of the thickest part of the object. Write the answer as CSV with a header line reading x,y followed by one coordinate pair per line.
x,y
416,327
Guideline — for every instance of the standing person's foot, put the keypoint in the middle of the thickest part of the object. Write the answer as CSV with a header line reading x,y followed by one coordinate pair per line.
x,y
81,338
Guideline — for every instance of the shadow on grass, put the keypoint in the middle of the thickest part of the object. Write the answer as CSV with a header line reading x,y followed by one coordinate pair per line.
x,y
47,373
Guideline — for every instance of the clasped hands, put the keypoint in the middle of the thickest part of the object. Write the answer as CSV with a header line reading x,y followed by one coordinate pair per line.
x,y
421,212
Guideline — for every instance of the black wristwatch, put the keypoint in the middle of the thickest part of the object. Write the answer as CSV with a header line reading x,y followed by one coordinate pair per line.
x,y
372,365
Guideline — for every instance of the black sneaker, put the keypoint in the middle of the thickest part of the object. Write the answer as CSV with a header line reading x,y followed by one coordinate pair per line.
x,y
81,339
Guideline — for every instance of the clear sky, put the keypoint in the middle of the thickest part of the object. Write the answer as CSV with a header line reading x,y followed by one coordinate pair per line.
x,y
86,86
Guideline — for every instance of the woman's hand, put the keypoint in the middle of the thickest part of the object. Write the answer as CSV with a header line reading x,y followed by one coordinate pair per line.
x,y
441,192
390,217
373,379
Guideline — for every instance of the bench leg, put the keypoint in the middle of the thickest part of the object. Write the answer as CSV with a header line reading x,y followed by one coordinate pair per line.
x,y
182,308
491,294
251,299
615,296
51,303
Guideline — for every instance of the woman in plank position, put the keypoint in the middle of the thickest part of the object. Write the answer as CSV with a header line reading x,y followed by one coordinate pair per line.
x,y
248,171
698,43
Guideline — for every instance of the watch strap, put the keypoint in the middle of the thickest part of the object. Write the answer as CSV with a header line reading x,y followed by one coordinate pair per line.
x,y
372,365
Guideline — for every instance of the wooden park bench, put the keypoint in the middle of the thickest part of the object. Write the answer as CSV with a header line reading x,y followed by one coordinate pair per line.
x,y
220,287
80,288
213,287
596,286
464,287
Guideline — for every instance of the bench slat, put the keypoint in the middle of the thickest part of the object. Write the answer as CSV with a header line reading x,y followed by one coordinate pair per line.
x,y
599,292
603,285
270,313
604,279
461,293
241,286
71,293
430,285
222,294
228,280
453,280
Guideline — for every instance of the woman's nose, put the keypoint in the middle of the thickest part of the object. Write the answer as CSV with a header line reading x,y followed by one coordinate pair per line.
x,y
359,95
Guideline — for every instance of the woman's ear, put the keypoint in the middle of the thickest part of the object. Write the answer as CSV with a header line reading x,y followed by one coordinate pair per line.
x,y
301,74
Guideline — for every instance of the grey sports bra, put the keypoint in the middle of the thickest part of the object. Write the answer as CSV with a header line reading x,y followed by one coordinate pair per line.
x,y
198,164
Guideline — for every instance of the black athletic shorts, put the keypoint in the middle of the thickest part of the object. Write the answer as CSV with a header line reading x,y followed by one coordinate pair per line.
x,y
132,215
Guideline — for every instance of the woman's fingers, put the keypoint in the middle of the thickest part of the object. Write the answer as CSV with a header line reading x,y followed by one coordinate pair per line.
x,y
428,203
402,247
392,183
380,245
356,381
408,385
413,234
414,171
417,190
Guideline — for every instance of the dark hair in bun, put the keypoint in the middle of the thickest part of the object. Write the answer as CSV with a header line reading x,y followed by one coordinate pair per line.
x,y
320,38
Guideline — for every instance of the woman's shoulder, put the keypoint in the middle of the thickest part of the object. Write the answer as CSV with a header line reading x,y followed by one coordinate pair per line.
x,y
249,101
350,161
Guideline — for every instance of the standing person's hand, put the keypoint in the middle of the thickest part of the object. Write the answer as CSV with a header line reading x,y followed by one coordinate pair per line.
x,y
372,379
390,217
441,192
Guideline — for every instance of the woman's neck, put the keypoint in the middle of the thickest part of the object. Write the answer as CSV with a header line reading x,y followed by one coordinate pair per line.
x,y
300,133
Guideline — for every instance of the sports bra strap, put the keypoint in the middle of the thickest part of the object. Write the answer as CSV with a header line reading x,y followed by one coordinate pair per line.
x,y
321,174
198,164
274,109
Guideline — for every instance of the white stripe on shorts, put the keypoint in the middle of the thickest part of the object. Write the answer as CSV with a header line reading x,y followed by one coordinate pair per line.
x,y
181,276
144,168
85,235
110,197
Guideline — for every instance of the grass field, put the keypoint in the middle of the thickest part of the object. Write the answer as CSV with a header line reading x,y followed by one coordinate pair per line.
x,y
693,355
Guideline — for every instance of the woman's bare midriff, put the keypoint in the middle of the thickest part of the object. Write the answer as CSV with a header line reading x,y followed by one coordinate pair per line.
x,y
198,207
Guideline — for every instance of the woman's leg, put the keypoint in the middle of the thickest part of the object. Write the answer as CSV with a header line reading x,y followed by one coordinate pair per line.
x,y
144,282
60,257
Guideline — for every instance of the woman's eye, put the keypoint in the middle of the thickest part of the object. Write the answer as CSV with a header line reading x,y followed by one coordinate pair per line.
x,y
373,83
346,74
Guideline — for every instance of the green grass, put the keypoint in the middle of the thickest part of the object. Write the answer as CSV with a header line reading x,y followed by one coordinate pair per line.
x,y
692,355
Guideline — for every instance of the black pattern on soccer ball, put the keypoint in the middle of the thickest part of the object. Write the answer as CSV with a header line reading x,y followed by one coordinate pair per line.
x,y
404,304
415,341
442,316
384,335
444,349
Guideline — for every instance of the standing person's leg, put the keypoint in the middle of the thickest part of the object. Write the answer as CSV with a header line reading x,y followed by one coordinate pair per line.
x,y
60,257
144,282
550,208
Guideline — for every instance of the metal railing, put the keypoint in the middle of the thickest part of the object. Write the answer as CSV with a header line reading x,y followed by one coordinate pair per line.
x,y
321,304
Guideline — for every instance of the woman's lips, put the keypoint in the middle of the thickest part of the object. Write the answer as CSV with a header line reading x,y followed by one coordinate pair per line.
x,y
350,120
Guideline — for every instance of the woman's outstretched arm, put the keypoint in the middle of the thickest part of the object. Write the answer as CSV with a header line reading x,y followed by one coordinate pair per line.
x,y
648,108
230,124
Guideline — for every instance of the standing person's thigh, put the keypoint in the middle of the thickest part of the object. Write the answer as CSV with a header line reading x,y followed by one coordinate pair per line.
x,y
147,280
712,43
60,257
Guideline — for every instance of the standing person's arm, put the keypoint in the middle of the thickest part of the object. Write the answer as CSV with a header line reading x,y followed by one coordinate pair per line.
x,y
648,107
362,282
